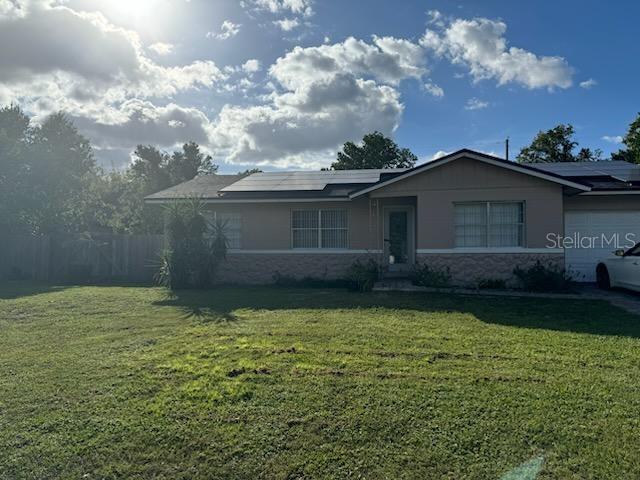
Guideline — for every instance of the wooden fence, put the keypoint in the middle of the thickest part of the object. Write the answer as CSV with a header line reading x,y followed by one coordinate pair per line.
x,y
95,258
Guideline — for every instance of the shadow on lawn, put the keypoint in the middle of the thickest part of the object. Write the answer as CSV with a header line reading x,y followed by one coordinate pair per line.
x,y
578,316
12,289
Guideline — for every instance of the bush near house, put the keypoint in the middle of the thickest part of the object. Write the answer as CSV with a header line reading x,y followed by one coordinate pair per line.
x,y
543,278
289,281
362,276
195,247
428,276
492,284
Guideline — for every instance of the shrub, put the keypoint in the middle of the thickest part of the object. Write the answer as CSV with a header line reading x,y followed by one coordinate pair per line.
x,y
281,280
426,276
492,284
362,276
195,248
541,278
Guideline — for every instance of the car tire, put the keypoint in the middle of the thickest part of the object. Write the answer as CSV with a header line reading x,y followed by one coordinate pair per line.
x,y
602,277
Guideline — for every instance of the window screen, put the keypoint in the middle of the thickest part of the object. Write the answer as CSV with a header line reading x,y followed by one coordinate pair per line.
x,y
319,229
489,224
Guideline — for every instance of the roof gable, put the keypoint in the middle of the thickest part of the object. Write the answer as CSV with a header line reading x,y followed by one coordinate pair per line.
x,y
480,157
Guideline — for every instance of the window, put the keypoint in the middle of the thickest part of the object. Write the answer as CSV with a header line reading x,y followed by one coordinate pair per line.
x,y
489,224
232,226
319,229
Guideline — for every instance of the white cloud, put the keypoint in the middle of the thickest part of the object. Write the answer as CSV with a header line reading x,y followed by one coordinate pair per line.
x,y
251,66
78,61
228,29
161,48
434,89
310,120
475,104
141,122
322,97
298,7
100,75
480,45
287,24
588,84
438,154
319,96
388,59
613,138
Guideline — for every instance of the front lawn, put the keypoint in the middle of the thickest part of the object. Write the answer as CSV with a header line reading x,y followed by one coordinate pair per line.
x,y
127,382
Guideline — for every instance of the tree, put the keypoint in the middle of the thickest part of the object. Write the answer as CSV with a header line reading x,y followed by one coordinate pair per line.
x,y
556,145
15,132
249,171
376,151
190,162
632,141
150,165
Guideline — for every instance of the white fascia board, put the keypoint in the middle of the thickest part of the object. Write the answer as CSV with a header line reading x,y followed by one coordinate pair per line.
x,y
611,192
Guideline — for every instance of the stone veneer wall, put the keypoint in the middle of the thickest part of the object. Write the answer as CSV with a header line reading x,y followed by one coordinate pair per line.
x,y
467,268
259,268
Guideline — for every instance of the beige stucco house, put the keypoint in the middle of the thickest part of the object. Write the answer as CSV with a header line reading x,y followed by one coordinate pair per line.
x,y
476,214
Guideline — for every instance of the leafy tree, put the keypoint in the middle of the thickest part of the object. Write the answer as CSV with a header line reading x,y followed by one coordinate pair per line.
x,y
47,173
632,141
376,151
556,145
150,165
15,131
190,162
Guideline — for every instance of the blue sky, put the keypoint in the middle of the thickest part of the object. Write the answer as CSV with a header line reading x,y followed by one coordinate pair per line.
x,y
278,84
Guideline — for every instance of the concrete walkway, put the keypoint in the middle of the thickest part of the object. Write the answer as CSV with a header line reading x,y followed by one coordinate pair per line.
x,y
628,301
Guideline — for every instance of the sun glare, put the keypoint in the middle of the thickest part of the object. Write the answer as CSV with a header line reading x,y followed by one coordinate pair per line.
x,y
134,9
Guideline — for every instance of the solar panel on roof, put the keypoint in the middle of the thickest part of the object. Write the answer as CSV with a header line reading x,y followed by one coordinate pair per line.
x,y
304,181
622,170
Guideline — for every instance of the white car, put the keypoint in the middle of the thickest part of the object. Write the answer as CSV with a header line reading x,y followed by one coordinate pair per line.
x,y
622,270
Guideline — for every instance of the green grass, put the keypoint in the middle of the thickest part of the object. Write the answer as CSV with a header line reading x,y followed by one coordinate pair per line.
x,y
127,382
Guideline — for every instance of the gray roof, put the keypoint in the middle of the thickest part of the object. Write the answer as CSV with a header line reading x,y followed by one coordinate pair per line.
x,y
616,169
306,181
340,184
206,186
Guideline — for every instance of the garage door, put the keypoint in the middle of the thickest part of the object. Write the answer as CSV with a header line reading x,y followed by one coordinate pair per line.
x,y
603,227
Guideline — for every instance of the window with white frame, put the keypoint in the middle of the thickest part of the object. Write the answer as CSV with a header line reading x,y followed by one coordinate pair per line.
x,y
489,224
319,228
231,224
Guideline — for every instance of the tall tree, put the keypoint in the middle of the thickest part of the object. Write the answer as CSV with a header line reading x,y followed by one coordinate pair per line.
x,y
186,164
150,165
632,141
375,151
556,145
15,132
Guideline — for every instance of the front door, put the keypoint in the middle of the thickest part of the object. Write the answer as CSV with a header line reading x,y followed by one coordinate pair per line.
x,y
399,237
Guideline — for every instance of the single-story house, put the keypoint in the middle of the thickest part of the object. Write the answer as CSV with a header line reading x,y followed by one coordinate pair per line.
x,y
478,215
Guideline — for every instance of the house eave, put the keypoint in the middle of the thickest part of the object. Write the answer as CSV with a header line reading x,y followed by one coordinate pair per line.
x,y
253,200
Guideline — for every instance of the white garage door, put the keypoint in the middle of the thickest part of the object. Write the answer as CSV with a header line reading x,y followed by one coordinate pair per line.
x,y
594,229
